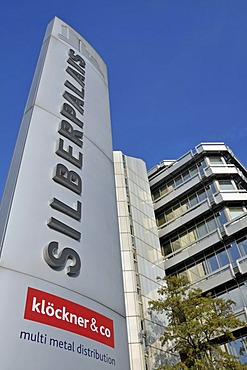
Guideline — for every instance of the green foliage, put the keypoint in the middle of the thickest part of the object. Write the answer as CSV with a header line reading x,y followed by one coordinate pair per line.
x,y
194,322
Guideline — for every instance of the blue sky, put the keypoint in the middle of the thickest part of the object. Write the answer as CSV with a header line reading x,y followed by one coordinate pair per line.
x,y
177,70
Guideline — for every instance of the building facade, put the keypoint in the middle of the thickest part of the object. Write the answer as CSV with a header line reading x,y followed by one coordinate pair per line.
x,y
200,204
142,261
184,217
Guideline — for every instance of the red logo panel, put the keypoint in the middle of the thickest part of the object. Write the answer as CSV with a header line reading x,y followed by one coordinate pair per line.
x,y
55,311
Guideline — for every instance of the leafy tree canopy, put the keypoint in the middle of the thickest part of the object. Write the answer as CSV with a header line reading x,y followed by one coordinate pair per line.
x,y
196,323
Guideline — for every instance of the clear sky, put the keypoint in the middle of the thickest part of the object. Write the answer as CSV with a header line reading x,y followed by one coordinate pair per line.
x,y
177,70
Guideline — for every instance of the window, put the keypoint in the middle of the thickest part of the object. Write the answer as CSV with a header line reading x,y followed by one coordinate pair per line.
x,y
243,247
223,258
177,210
221,217
192,235
235,212
184,205
186,175
193,171
156,194
234,252
169,215
184,239
170,186
161,220
196,272
193,200
178,180
201,229
216,160
212,264
175,244
238,349
211,189
202,195
166,249
163,190
226,185
211,223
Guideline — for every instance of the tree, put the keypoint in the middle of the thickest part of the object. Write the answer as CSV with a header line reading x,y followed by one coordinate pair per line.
x,y
197,323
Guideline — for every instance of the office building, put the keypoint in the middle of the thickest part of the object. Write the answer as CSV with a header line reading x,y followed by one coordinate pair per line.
x,y
200,204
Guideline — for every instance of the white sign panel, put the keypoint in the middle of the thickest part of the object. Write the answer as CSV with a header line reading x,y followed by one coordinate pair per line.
x,y
60,260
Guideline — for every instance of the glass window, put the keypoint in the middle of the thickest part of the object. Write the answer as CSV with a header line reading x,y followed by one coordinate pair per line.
x,y
170,186
197,271
186,175
192,235
239,349
176,210
184,239
185,274
211,224
184,205
193,200
221,218
178,180
166,249
216,160
223,258
201,195
161,219
194,273
242,245
201,165
175,245
193,170
235,212
234,252
211,189
169,215
212,263
201,269
163,190
226,185
156,194
201,229
236,297
243,289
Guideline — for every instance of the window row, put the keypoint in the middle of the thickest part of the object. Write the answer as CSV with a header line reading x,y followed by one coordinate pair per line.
x,y
167,187
191,235
216,159
185,204
227,185
216,260
233,212
238,348
200,230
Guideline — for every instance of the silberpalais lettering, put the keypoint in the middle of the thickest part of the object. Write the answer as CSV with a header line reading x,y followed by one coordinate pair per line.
x,y
64,176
